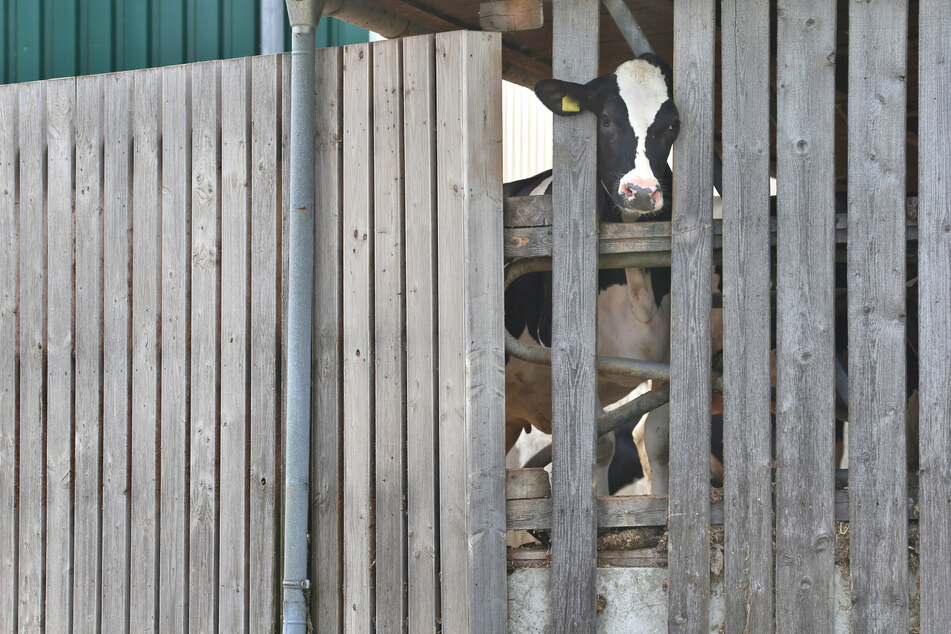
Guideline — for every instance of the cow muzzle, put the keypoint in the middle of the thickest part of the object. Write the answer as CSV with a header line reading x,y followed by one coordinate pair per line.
x,y
641,196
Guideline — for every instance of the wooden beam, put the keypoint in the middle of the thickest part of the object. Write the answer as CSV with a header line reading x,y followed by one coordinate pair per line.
x,y
511,15
934,261
574,377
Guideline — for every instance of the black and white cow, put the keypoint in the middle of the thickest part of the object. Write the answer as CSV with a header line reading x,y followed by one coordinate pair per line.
x,y
637,123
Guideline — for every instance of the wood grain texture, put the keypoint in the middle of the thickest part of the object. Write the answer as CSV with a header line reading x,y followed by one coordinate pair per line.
x,y
748,538
176,275
88,400
934,319
116,379
264,303
471,357
690,328
9,263
32,418
204,375
804,322
876,263
358,435
235,198
419,144
575,27
327,448
60,109
145,354
389,328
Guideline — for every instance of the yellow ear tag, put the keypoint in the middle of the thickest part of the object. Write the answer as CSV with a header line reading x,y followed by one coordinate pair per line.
x,y
569,105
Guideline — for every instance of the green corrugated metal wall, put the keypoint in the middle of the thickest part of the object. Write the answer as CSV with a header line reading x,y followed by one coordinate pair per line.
x,y
40,39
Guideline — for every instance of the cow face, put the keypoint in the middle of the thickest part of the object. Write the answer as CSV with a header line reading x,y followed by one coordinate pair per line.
x,y
637,124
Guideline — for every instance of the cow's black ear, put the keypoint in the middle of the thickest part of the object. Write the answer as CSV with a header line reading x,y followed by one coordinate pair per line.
x,y
562,97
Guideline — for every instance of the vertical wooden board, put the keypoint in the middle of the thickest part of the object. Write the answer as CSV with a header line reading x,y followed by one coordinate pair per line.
x,y
32,220
264,423
804,321
88,403
203,476
60,104
389,337
9,263
422,476
748,516
878,521
934,319
471,358
690,327
326,440
145,371
358,519
455,576
175,288
235,148
117,90
285,193
574,322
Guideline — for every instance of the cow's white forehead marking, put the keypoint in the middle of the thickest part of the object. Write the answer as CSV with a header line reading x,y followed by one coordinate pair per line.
x,y
643,89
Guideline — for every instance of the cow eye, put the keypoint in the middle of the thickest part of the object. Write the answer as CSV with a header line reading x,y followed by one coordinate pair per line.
x,y
674,127
606,120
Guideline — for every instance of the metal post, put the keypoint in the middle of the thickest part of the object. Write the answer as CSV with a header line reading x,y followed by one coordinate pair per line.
x,y
304,16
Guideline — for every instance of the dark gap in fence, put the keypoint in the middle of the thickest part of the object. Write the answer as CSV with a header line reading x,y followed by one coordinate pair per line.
x,y
404,408
187,405
100,392
216,425
248,273
159,315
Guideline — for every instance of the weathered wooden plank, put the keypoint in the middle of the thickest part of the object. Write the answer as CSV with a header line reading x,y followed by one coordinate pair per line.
x,y
284,273
536,513
627,512
117,90
145,370
934,319
32,281
876,261
690,349
613,238
804,322
748,534
389,403
419,146
326,512
235,155
203,472
176,213
60,108
471,359
358,240
575,28
9,263
511,15
527,211
86,536
264,304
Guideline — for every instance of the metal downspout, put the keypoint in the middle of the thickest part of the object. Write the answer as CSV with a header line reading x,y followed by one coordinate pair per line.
x,y
304,16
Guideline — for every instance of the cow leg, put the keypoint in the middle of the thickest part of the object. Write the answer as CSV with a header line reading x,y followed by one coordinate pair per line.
x,y
603,453
651,435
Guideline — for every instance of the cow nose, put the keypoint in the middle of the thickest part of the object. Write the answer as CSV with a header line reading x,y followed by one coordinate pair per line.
x,y
641,195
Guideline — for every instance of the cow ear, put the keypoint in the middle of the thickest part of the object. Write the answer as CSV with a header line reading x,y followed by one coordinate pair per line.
x,y
562,97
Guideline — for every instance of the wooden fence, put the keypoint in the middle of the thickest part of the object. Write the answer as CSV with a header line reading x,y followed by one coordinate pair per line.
x,y
779,524
141,275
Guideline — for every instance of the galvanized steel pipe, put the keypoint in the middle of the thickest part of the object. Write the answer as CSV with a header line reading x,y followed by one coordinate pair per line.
x,y
304,16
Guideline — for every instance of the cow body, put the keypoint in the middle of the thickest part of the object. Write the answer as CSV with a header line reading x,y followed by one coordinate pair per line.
x,y
637,123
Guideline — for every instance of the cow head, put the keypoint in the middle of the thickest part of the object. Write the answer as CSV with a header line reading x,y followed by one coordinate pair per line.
x,y
637,124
